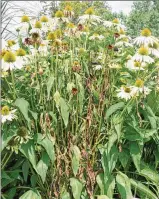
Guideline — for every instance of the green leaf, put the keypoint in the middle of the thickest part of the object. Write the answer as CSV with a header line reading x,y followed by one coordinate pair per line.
x,y
75,159
48,144
102,197
33,180
32,194
123,184
149,173
100,182
124,157
65,195
109,159
64,111
113,109
76,186
136,153
142,190
28,150
6,137
49,86
132,134
43,165
25,169
11,193
23,106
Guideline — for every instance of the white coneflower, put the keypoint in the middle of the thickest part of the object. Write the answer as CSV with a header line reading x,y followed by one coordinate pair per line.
x,y
125,92
96,36
89,17
154,49
145,38
140,88
135,65
22,135
6,114
143,55
59,17
115,23
92,18
10,61
123,40
43,48
97,67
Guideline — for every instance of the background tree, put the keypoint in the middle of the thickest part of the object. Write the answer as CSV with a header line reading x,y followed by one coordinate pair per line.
x,y
144,14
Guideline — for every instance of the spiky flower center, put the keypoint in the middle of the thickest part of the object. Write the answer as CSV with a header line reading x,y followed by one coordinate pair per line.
x,y
5,110
137,64
86,29
81,50
68,8
44,19
125,39
38,24
11,43
51,36
127,89
143,50
116,21
58,33
57,42
121,32
146,32
70,25
59,14
22,132
20,52
89,11
3,52
35,35
25,18
139,83
9,57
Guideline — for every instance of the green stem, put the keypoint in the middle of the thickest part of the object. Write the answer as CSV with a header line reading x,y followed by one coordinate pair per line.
x,y
7,160
13,82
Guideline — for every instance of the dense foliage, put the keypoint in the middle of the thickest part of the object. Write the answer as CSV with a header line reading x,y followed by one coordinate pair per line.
x,y
80,108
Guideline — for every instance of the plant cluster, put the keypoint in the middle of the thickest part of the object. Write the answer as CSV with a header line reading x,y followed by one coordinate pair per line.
x,y
80,110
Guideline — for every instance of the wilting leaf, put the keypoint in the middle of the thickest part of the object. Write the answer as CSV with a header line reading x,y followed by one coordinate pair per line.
x,y
76,186
32,194
64,111
43,165
123,184
48,145
23,105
